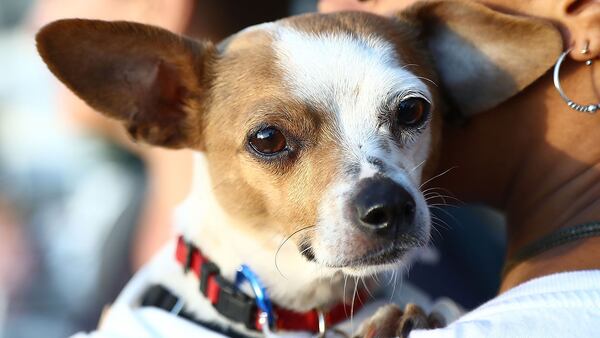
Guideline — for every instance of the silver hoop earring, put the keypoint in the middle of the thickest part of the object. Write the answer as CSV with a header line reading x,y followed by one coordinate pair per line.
x,y
591,108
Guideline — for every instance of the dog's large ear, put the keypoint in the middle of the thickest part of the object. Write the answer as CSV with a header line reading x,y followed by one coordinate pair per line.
x,y
483,56
145,76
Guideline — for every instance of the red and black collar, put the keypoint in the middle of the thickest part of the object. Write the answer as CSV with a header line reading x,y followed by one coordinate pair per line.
x,y
235,305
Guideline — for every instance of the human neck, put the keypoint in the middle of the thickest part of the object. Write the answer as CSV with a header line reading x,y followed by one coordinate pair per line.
x,y
541,166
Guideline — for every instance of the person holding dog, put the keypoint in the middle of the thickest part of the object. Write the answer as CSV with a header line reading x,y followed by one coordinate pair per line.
x,y
505,174
536,158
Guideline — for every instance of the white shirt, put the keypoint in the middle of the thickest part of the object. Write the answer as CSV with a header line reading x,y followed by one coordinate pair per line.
x,y
565,305
560,305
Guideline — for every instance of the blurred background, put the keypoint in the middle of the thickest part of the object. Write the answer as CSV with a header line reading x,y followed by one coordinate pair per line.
x,y
81,207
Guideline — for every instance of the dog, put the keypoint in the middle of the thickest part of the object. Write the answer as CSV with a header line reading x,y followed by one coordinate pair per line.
x,y
313,135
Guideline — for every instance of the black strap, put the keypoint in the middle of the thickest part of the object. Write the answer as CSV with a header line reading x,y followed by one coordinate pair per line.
x,y
224,295
158,296
557,238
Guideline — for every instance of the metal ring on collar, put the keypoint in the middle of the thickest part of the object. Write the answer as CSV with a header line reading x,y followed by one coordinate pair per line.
x,y
263,319
590,108
322,324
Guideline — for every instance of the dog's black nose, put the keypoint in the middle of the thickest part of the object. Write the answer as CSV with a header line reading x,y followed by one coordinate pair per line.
x,y
384,207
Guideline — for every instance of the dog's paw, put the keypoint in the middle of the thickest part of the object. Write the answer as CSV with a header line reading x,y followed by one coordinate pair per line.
x,y
382,324
391,321
415,318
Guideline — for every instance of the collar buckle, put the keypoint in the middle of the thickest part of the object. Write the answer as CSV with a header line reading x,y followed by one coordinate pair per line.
x,y
245,274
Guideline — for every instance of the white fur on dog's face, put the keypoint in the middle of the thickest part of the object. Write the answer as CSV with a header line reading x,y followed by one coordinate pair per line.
x,y
353,78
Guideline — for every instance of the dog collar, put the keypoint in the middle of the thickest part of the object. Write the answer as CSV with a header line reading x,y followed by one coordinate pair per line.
x,y
232,303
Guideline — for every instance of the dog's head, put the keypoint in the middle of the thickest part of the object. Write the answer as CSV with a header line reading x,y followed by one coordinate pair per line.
x,y
321,122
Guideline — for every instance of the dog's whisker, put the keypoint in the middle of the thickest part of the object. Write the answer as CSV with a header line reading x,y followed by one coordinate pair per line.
x,y
285,241
358,293
354,294
376,279
417,166
445,212
428,80
437,176
434,228
308,248
344,294
430,199
430,191
442,205
367,288
418,77
441,223
429,195
394,278
405,272
446,191
409,65
432,195
391,280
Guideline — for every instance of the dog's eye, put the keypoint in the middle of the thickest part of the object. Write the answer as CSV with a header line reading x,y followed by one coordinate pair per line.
x,y
412,111
268,141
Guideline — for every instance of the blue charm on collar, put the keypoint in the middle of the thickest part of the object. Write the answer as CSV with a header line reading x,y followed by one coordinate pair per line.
x,y
245,274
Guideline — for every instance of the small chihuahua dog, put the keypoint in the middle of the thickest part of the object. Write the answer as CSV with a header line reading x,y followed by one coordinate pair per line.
x,y
313,136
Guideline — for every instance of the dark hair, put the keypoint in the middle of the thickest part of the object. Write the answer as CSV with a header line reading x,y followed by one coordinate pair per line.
x,y
217,19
